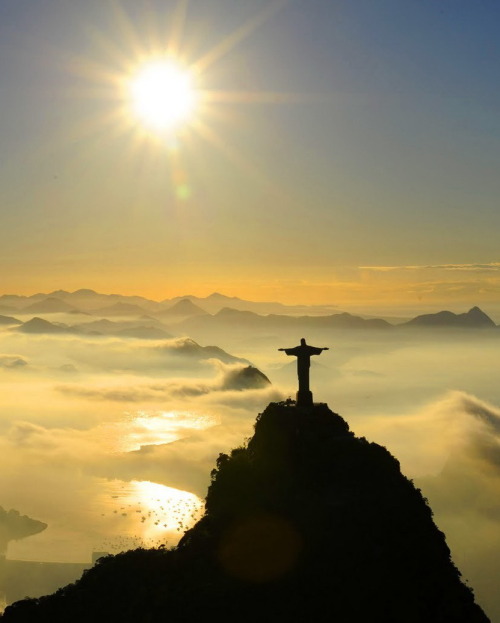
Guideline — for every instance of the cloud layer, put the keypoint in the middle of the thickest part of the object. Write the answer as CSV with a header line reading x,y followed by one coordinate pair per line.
x,y
85,417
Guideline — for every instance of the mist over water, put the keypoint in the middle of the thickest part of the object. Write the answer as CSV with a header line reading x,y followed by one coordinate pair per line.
x,y
110,441
80,413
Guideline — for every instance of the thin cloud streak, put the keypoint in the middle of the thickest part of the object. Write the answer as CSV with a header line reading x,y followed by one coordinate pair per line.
x,y
491,266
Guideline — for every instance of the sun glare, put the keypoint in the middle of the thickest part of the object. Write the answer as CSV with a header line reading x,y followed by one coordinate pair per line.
x,y
163,95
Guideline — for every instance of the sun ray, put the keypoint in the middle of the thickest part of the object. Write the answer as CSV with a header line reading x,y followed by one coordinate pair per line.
x,y
94,73
125,23
263,97
115,54
236,158
151,23
239,35
177,28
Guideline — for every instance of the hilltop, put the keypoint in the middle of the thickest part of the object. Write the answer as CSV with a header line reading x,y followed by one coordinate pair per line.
x,y
305,522
474,318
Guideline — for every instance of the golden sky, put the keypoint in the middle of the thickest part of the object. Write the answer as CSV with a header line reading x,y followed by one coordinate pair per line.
x,y
342,154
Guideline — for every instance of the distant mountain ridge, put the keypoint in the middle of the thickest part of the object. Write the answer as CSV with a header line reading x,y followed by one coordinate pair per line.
x,y
474,318
39,325
253,321
186,347
90,300
216,301
181,309
199,311
120,309
50,305
9,320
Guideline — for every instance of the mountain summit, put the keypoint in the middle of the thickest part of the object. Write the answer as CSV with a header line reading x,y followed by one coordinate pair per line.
x,y
306,522
474,318
183,308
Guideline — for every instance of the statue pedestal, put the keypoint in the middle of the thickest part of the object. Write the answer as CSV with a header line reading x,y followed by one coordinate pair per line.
x,y
304,398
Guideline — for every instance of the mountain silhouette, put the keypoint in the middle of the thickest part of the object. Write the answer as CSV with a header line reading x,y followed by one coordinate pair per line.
x,y
245,378
188,348
229,317
144,333
102,326
39,325
184,308
475,318
9,320
120,309
90,300
305,522
229,314
50,305
16,301
80,292
143,328
347,321
266,314
217,301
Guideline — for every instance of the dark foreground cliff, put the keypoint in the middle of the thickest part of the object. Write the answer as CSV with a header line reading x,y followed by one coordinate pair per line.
x,y
304,523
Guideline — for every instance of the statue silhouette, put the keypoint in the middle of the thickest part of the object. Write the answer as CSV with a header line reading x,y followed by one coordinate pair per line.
x,y
303,354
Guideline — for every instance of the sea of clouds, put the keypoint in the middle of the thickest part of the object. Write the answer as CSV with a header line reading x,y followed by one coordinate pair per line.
x,y
82,416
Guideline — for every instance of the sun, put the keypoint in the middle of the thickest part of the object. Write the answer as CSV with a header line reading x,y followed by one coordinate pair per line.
x,y
163,95
158,90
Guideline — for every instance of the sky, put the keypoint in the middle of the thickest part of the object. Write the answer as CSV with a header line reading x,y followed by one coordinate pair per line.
x,y
345,151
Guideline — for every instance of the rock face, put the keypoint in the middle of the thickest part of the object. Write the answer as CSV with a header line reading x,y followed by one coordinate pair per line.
x,y
304,523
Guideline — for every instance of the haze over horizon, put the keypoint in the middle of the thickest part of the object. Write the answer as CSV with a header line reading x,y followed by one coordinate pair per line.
x,y
214,300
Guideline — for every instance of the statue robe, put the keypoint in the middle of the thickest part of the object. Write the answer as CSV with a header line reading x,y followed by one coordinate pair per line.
x,y
303,354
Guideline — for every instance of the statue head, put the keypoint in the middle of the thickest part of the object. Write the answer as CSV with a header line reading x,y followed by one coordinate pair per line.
x,y
303,341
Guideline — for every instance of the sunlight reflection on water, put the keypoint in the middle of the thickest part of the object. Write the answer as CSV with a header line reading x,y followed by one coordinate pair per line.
x,y
147,428
147,514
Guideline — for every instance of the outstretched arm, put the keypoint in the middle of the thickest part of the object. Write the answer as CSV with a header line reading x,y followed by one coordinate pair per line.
x,y
288,351
317,350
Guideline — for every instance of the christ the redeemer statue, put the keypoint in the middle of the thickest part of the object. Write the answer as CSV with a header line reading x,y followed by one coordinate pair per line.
x,y
303,354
